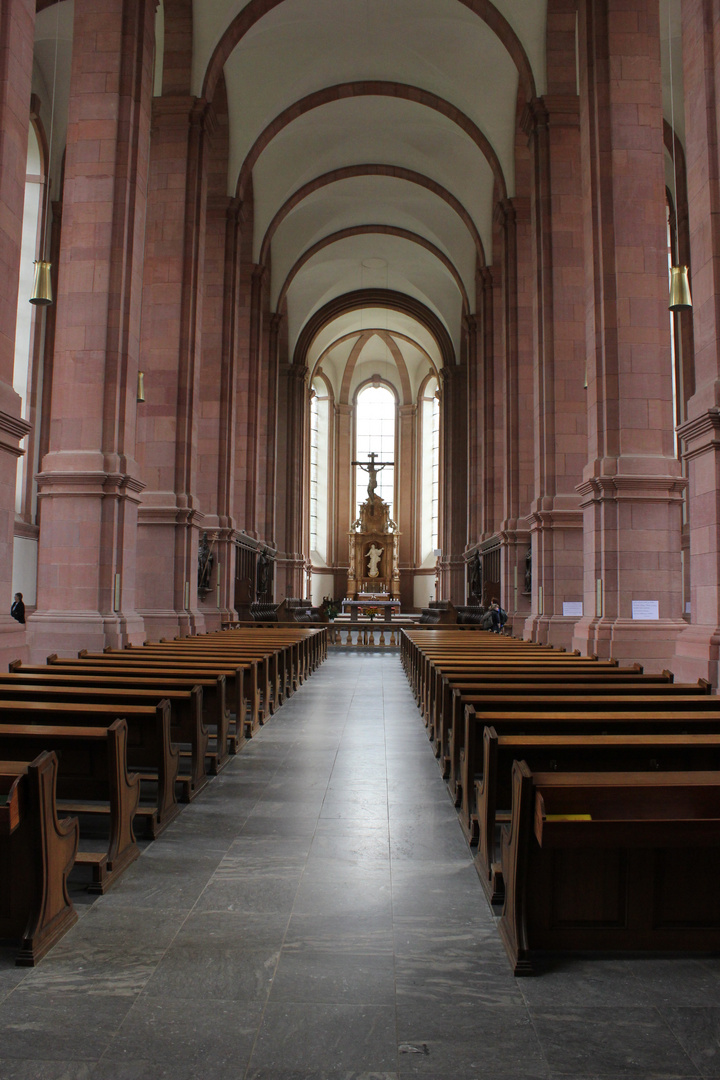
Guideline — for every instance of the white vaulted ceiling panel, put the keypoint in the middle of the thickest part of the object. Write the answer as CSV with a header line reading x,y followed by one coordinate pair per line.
x,y
302,46
372,200
379,131
408,269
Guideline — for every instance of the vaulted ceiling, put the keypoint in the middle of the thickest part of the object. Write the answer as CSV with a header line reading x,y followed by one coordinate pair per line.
x,y
376,137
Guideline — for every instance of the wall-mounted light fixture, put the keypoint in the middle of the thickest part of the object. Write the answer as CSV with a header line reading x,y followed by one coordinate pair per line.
x,y
42,285
680,299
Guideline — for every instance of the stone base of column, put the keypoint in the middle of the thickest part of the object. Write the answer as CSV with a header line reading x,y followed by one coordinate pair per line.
x,y
452,579
14,641
555,630
697,654
170,624
630,641
289,576
67,632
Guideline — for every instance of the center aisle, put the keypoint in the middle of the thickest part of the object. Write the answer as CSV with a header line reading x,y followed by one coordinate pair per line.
x,y
315,914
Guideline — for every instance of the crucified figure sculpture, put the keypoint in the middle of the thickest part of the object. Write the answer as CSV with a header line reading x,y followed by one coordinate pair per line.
x,y
372,468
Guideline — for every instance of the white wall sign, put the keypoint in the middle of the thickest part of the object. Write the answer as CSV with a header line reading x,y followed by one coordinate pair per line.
x,y
573,608
645,609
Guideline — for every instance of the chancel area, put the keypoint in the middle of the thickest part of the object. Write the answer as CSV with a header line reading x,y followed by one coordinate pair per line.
x,y
322,320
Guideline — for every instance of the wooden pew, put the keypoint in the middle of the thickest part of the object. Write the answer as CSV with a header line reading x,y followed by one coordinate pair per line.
x,y
37,852
237,676
92,779
441,675
214,699
552,710
610,861
177,653
541,678
186,715
150,750
568,753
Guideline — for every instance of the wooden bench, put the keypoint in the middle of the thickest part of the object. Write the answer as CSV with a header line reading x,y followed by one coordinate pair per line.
x,y
187,727
568,753
92,779
441,676
552,711
610,861
150,750
214,695
542,679
261,662
37,852
236,676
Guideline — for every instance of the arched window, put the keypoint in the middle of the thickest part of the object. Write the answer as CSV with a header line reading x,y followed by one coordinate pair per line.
x,y
27,322
319,428
375,433
430,469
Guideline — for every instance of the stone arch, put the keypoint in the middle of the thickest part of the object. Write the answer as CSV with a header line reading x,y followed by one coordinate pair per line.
x,y
386,230
362,298
256,9
349,171
373,89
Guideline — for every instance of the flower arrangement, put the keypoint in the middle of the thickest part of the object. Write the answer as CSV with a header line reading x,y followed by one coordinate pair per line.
x,y
371,612
331,608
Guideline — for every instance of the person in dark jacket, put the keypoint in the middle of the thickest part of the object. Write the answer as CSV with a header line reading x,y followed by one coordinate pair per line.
x,y
18,608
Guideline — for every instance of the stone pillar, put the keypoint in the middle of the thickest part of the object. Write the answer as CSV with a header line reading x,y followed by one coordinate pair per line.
x,y
474,426
698,647
486,408
89,484
290,566
257,289
513,217
343,484
170,517
632,486
228,414
406,514
17,21
560,439
453,491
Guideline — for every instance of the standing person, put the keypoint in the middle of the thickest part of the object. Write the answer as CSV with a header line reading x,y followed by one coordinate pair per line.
x,y
18,608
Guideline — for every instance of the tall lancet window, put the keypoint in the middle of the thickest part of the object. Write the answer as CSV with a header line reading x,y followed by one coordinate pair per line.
x,y
375,433
430,418
319,469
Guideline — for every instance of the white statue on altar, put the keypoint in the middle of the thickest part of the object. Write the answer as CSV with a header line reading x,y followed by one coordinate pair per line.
x,y
373,557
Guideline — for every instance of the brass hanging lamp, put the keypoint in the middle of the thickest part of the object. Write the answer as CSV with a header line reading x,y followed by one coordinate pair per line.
x,y
42,285
42,294
680,298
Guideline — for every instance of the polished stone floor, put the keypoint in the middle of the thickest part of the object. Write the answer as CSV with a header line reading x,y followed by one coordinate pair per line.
x,y
315,914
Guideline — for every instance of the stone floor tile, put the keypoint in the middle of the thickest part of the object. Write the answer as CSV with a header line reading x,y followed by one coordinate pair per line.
x,y
599,1040
333,1038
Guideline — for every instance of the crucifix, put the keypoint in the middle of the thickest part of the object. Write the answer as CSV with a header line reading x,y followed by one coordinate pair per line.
x,y
372,468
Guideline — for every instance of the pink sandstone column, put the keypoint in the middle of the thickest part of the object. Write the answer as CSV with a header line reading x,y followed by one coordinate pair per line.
x,y
698,648
553,129
453,491
89,484
632,487
292,409
17,20
406,513
513,219
171,516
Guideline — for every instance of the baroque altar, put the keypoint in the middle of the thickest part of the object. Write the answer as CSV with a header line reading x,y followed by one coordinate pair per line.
x,y
373,569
